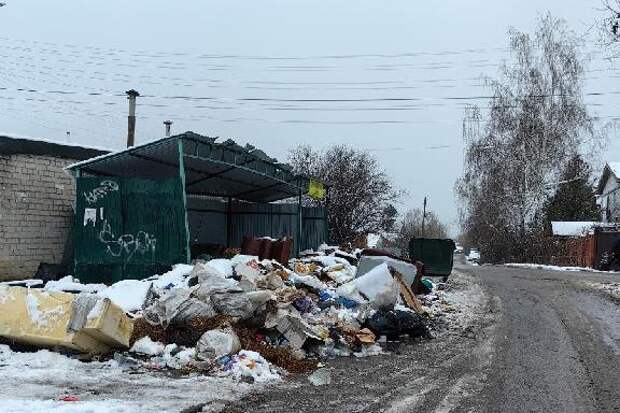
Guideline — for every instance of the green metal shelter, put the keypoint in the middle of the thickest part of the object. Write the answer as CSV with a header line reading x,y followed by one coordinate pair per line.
x,y
142,209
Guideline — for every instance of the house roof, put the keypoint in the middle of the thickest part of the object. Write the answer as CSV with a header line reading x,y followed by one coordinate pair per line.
x,y
11,144
611,168
572,228
222,169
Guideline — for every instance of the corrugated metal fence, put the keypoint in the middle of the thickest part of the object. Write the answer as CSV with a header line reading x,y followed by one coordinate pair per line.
x,y
127,228
132,227
208,222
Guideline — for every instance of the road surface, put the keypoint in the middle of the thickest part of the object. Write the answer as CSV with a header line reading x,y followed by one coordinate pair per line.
x,y
529,341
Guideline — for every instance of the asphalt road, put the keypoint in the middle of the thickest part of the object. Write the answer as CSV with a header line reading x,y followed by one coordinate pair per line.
x,y
527,341
557,342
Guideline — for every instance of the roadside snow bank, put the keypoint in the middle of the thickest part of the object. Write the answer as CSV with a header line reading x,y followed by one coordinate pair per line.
x,y
553,267
37,381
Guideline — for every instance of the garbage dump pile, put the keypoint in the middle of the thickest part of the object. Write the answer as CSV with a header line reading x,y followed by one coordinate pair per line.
x,y
249,319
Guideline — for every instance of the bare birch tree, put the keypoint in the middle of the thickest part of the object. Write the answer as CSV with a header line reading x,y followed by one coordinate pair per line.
x,y
536,122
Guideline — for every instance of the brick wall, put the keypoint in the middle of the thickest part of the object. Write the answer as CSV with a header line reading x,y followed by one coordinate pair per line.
x,y
36,212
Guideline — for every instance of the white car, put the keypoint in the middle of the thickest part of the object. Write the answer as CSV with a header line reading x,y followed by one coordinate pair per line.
x,y
474,256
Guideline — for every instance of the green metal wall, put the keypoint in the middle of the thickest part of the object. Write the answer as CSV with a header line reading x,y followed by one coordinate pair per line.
x,y
208,222
128,228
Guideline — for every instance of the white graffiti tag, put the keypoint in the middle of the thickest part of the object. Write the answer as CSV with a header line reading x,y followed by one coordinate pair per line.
x,y
142,243
101,191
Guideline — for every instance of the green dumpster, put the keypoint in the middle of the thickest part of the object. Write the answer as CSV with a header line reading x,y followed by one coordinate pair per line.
x,y
436,254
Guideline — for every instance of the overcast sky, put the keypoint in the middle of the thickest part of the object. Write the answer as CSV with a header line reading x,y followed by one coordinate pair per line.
x,y
391,77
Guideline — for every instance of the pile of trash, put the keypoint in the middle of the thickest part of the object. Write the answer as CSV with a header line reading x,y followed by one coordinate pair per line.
x,y
250,319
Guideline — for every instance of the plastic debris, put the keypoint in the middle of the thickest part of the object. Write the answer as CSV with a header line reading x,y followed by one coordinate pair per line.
x,y
68,398
376,287
321,377
250,365
176,306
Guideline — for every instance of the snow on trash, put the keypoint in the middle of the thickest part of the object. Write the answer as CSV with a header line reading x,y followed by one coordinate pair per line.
x,y
250,364
68,283
177,277
147,346
241,321
127,294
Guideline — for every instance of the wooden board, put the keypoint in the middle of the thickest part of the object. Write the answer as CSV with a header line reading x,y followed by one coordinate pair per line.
x,y
408,296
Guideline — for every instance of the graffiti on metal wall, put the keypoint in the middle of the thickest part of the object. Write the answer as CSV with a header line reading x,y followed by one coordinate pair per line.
x,y
104,188
142,243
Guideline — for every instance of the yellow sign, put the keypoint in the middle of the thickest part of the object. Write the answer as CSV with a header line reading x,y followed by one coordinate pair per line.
x,y
316,189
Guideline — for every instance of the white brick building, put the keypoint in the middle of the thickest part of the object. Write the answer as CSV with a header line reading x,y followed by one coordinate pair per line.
x,y
36,203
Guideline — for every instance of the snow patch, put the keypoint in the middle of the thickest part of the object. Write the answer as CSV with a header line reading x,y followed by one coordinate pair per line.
x,y
127,294
251,364
32,306
147,346
69,283
554,267
177,276
96,311
38,379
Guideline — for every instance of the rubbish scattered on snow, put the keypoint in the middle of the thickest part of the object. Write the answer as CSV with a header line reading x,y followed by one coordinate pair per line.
x,y
249,365
246,318
68,398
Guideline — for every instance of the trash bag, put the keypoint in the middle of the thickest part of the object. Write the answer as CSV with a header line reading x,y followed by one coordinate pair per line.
x,y
394,323
376,286
242,305
177,306
211,284
217,343
271,281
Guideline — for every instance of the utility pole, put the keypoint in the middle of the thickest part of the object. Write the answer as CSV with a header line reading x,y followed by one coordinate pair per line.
x,y
131,119
167,123
423,217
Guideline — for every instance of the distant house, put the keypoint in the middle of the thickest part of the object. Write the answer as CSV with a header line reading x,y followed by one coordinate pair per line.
x,y
608,192
36,202
573,228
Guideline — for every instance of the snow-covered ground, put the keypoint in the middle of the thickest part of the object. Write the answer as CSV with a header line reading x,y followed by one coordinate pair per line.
x,y
463,300
34,382
552,267
613,289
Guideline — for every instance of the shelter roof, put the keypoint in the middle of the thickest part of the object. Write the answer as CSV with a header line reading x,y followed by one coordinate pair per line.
x,y
222,169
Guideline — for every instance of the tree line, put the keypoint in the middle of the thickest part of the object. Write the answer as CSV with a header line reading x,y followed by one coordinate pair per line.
x,y
527,163
361,198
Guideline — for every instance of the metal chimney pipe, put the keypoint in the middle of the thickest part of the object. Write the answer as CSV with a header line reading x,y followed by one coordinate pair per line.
x,y
167,123
131,119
